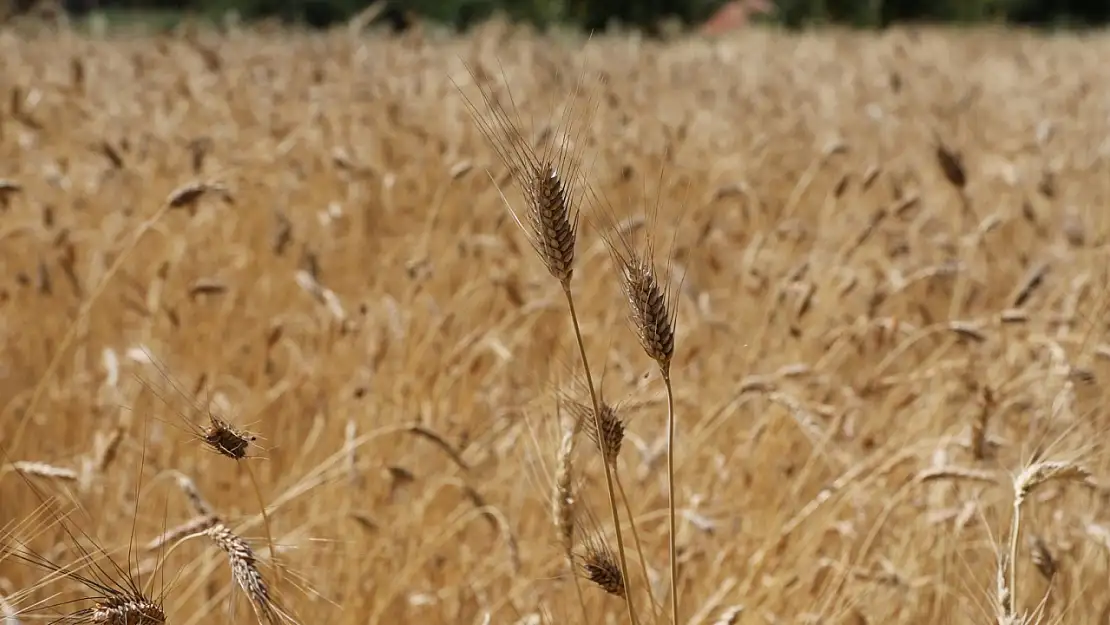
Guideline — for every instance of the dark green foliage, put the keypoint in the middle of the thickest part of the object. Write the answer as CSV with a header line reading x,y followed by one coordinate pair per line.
x,y
645,14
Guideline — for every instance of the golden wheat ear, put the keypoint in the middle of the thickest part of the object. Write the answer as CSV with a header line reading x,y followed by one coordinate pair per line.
x,y
649,296
548,172
652,312
116,593
597,561
611,436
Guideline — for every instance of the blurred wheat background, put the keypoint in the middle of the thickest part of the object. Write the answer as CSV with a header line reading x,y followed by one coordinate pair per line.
x,y
891,249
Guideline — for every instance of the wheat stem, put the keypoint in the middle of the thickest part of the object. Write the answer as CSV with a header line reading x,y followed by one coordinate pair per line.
x,y
1015,531
665,371
608,471
637,541
265,520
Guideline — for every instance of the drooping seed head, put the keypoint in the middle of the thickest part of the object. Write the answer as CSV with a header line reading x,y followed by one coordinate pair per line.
x,y
611,426
244,569
598,564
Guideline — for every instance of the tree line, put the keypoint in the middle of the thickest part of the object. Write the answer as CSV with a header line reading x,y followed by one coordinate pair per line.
x,y
647,15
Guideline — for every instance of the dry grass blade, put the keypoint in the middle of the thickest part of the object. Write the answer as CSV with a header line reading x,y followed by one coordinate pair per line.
x,y
47,471
191,527
187,195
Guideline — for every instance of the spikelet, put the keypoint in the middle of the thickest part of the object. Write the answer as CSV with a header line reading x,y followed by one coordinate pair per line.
x,y
550,176
121,610
598,564
244,569
563,502
1048,471
596,560
651,307
609,440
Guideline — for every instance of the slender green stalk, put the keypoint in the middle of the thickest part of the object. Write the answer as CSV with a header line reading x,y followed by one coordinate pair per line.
x,y
665,370
608,472
639,543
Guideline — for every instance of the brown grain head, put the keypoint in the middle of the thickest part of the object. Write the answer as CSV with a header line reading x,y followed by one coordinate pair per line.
x,y
563,497
611,436
548,173
244,570
648,292
227,440
598,564
121,610
595,559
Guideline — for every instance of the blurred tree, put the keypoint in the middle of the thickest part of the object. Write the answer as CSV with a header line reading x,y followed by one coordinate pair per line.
x,y
647,15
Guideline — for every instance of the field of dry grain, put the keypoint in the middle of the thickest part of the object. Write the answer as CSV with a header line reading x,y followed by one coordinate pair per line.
x,y
889,269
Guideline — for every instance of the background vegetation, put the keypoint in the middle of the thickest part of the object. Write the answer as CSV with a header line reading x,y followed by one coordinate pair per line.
x,y
645,14
894,249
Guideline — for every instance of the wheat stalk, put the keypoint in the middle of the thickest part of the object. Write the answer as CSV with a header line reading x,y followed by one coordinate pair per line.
x,y
551,181
609,446
653,313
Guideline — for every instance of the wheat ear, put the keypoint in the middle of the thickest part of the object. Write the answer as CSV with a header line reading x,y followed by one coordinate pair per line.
x,y
551,181
1025,483
563,504
652,313
244,568
609,445
596,560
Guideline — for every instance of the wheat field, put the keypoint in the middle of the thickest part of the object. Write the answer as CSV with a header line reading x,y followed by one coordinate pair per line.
x,y
888,270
